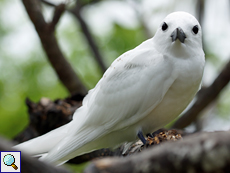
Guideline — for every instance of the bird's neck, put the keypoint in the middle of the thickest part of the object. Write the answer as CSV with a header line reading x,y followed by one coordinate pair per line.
x,y
178,49
175,49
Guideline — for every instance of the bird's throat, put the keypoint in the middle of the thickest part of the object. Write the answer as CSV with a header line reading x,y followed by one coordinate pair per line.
x,y
178,49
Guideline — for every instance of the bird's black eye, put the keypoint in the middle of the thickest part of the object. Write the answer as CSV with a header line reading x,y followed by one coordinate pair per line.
x,y
164,26
195,29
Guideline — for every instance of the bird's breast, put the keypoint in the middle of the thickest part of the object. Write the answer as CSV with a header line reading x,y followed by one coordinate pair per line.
x,y
177,98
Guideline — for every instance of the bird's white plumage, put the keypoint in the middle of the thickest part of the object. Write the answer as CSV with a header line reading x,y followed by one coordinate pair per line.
x,y
143,89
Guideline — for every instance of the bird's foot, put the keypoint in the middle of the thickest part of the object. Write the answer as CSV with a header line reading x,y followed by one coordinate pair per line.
x,y
141,137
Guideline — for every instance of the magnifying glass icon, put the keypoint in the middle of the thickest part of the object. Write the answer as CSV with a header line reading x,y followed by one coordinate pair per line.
x,y
9,160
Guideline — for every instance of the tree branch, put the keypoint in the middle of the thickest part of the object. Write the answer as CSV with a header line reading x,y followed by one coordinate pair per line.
x,y
201,152
29,164
97,55
204,97
94,48
47,115
136,7
57,15
200,10
63,69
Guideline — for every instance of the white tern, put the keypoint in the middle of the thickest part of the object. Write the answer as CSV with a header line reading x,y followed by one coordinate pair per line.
x,y
143,90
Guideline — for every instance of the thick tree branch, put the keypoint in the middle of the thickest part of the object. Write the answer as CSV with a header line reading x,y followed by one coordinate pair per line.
x,y
204,98
63,69
93,155
29,164
158,137
201,152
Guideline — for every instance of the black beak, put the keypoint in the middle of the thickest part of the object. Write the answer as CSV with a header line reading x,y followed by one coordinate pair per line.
x,y
178,33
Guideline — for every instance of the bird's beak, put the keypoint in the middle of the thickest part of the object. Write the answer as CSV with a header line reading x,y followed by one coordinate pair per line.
x,y
178,33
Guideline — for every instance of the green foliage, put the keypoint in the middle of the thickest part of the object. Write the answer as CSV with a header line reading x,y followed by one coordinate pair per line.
x,y
33,79
124,39
120,41
77,168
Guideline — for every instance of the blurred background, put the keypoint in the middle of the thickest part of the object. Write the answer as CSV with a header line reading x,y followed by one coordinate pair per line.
x,y
116,26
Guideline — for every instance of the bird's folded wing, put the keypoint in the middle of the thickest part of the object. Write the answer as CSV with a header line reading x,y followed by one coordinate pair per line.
x,y
133,86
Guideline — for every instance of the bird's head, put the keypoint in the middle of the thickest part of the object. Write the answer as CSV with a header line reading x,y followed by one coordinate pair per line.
x,y
179,30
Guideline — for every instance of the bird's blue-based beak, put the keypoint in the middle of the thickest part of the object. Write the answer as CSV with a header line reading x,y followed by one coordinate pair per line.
x,y
178,33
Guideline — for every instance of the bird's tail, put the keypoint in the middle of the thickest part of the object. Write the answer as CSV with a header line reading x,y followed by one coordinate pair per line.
x,y
44,143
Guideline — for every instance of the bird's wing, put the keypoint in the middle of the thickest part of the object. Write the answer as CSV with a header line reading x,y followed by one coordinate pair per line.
x,y
134,84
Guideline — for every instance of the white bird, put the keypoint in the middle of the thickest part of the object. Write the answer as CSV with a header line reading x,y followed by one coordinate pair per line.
x,y
143,90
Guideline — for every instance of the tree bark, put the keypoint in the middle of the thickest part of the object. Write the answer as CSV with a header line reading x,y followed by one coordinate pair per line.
x,y
201,152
